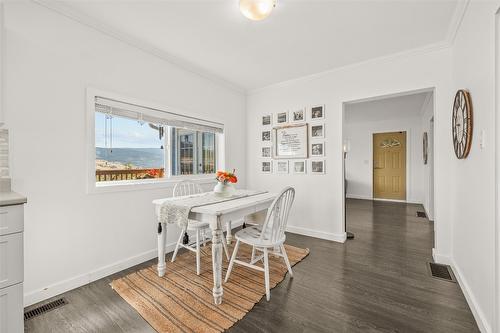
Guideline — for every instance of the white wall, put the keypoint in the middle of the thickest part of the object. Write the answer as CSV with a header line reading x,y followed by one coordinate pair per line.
x,y
359,161
72,237
319,203
472,193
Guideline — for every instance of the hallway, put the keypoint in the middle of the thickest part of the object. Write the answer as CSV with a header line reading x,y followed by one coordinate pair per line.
x,y
388,256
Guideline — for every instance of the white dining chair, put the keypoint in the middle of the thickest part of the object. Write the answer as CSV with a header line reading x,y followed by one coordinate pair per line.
x,y
268,238
184,188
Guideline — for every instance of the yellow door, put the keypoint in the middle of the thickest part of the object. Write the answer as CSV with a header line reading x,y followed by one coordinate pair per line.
x,y
389,165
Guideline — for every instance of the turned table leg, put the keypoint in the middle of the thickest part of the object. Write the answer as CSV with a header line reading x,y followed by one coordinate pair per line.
x,y
217,262
162,236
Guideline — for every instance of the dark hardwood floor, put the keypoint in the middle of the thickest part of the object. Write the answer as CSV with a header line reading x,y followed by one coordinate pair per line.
x,y
377,282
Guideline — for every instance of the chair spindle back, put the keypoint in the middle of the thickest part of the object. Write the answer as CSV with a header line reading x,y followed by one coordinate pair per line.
x,y
186,187
277,215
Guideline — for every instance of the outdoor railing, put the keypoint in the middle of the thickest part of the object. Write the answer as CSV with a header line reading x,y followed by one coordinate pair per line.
x,y
128,174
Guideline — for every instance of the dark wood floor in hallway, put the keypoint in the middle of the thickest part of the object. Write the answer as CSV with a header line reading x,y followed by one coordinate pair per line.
x,y
377,282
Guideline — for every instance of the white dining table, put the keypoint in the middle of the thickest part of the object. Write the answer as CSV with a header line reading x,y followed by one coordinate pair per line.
x,y
217,215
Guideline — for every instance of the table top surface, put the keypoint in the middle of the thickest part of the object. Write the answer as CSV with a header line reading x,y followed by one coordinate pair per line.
x,y
227,206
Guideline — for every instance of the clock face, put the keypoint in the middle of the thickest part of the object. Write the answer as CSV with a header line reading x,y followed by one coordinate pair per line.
x,y
462,124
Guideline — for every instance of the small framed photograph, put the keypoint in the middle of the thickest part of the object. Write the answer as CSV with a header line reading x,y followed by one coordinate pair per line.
x,y
299,167
317,149
282,167
267,120
266,167
318,167
266,152
282,118
266,136
298,116
318,112
317,131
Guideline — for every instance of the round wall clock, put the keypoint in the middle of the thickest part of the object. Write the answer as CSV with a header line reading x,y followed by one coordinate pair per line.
x,y
425,145
461,125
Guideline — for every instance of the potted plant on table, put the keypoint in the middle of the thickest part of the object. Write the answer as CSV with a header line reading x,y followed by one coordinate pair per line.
x,y
225,181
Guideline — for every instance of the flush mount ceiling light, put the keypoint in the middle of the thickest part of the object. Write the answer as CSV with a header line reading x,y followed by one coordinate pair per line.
x,y
257,10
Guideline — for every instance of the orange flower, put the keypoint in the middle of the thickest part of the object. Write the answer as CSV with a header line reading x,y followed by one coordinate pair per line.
x,y
226,176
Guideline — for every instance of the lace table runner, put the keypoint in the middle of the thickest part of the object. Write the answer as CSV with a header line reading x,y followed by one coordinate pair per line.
x,y
177,210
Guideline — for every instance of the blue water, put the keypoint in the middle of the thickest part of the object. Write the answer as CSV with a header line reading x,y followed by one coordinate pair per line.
x,y
138,157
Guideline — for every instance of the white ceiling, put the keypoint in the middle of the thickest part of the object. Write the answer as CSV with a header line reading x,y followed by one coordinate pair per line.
x,y
298,39
398,107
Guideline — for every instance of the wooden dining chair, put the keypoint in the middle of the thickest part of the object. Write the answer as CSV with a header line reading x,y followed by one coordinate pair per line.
x,y
268,238
184,188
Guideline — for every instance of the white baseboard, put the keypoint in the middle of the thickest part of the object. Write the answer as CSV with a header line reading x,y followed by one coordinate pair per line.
x,y
478,313
355,196
81,280
481,321
403,201
429,217
340,237
363,197
441,258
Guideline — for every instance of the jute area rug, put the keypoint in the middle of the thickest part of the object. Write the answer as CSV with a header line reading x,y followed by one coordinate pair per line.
x,y
182,301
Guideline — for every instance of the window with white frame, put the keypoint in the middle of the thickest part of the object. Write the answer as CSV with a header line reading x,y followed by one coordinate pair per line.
x,y
135,143
193,152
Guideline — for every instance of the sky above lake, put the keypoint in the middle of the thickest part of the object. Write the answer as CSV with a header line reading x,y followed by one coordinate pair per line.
x,y
126,133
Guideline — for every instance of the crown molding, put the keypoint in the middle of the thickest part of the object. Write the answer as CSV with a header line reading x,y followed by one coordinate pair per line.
x,y
431,48
456,20
453,28
67,11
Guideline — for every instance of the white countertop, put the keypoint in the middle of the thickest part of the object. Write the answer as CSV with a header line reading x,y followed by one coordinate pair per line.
x,y
11,198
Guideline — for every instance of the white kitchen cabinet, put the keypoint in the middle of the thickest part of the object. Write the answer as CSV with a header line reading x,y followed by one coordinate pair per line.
x,y
11,262
11,309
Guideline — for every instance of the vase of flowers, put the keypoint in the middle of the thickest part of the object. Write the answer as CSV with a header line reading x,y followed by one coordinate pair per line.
x,y
225,181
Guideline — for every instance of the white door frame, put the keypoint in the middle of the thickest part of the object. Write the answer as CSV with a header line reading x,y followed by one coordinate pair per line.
x,y
496,324
373,98
430,162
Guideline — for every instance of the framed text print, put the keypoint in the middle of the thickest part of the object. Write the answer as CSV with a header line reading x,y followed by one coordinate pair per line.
x,y
290,141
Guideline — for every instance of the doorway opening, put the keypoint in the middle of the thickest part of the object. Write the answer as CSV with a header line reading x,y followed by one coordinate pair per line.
x,y
388,144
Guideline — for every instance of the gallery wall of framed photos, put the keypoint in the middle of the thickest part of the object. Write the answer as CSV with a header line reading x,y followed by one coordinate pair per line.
x,y
293,141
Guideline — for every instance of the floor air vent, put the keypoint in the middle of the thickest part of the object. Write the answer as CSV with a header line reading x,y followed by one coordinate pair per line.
x,y
421,214
44,308
442,272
